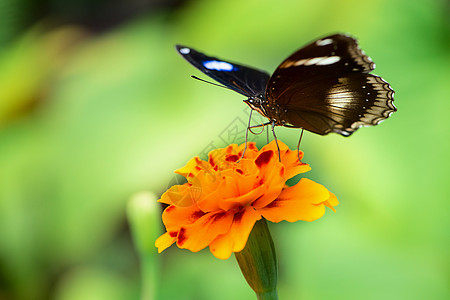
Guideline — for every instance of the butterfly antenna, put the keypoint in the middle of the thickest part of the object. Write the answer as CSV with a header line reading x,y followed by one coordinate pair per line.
x,y
298,146
222,86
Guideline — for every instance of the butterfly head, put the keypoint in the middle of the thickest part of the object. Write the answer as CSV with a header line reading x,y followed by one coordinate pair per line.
x,y
257,103
261,105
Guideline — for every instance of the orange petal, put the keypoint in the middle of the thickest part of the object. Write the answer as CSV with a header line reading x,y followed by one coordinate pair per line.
x,y
210,202
164,242
175,217
234,190
251,151
303,201
179,195
228,187
221,156
200,234
243,200
236,238
192,168
292,164
206,181
273,146
332,201
216,157
215,188
289,158
245,181
203,187
273,181
266,160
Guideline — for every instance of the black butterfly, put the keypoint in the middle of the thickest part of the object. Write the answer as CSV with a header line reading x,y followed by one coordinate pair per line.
x,y
323,87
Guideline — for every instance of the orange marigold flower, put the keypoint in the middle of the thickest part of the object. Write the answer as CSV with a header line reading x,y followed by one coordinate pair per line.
x,y
224,197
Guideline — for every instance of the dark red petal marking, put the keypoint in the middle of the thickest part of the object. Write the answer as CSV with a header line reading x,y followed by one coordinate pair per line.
x,y
181,236
211,161
264,158
272,204
173,233
218,217
232,158
170,208
251,146
257,199
239,171
258,183
197,215
282,171
238,216
198,168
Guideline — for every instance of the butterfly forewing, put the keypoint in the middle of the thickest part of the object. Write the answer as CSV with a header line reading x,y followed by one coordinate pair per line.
x,y
247,81
324,87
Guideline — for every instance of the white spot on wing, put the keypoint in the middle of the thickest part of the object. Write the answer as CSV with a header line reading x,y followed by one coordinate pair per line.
x,y
300,62
324,42
185,50
329,60
218,65
319,61
314,61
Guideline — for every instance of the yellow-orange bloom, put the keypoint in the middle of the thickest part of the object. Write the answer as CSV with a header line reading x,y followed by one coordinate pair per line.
x,y
224,197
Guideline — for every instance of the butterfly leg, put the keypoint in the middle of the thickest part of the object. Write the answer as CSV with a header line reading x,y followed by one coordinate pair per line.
x,y
256,126
259,125
299,140
298,147
276,140
249,128
246,135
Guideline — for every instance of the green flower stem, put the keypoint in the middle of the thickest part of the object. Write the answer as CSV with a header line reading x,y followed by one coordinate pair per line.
x,y
143,214
258,262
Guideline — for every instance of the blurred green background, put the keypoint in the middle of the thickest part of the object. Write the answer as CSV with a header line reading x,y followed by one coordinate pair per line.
x,y
96,105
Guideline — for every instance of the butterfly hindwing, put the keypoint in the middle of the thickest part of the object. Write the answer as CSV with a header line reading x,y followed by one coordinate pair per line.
x,y
247,81
339,105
